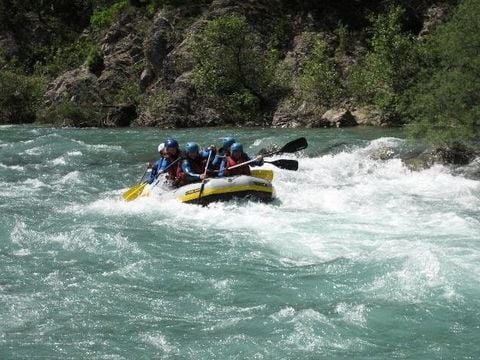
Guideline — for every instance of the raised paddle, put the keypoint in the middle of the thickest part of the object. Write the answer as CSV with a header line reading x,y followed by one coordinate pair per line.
x,y
280,163
291,147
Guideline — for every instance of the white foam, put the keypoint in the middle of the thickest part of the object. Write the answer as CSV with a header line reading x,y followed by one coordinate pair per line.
x,y
12,167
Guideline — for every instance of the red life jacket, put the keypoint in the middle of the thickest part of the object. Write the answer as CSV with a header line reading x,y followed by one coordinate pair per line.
x,y
172,170
241,170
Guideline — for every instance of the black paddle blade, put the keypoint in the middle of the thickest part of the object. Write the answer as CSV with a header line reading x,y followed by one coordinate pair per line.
x,y
285,164
293,146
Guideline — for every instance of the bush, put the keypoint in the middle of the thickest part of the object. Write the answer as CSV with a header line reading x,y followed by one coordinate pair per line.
x,y
445,103
64,58
319,80
231,73
69,113
94,60
104,17
389,67
20,97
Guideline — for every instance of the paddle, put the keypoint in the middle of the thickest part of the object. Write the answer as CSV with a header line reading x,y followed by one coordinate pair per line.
x,y
285,164
135,187
204,174
291,147
135,191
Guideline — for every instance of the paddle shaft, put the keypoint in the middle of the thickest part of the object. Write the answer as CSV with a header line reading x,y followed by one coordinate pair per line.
x,y
165,170
204,174
291,147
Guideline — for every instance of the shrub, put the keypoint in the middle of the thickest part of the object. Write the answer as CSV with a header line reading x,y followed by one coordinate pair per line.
x,y
231,73
389,67
69,113
94,60
319,80
445,103
104,17
20,97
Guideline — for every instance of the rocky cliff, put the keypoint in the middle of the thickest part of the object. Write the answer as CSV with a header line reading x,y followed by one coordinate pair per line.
x,y
142,73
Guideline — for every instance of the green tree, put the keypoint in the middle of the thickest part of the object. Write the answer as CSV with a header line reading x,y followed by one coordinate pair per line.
x,y
445,104
20,97
231,73
389,67
319,80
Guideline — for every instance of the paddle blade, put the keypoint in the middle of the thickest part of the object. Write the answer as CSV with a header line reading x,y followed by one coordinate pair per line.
x,y
285,164
134,192
265,174
293,146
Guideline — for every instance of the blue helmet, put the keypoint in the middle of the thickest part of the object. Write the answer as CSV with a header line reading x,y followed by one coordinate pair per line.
x,y
228,141
171,143
191,147
236,147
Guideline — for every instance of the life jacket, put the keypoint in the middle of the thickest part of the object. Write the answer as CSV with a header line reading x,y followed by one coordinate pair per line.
x,y
171,173
197,166
241,170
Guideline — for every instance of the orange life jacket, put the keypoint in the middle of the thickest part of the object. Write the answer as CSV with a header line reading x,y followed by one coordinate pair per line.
x,y
241,170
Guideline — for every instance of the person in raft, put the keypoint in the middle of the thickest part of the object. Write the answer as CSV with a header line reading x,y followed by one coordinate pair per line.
x,y
236,157
223,152
192,168
169,153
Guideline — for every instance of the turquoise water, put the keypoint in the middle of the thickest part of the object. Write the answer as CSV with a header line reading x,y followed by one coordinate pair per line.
x,y
358,258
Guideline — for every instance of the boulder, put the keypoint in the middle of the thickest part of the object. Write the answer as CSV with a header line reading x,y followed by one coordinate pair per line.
x,y
367,116
78,85
334,118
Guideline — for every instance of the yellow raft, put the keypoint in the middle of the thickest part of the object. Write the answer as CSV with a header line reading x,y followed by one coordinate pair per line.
x,y
256,187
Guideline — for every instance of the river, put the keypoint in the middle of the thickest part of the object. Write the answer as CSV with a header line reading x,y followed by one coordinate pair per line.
x,y
358,258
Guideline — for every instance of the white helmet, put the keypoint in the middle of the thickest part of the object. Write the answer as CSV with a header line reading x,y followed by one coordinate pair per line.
x,y
161,147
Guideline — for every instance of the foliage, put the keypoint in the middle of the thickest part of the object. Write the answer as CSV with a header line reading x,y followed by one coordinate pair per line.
x,y
69,113
58,60
20,96
445,103
94,60
231,72
154,5
105,16
129,93
342,34
55,23
319,80
157,104
389,67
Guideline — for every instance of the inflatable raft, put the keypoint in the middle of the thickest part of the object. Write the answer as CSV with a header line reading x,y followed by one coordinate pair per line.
x,y
257,187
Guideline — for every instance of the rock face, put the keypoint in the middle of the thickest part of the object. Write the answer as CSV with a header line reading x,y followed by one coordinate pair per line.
x,y
78,85
145,76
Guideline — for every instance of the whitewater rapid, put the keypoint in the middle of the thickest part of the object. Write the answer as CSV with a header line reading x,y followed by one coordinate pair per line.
x,y
358,252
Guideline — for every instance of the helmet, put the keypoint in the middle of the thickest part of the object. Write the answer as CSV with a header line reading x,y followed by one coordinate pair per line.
x,y
171,143
161,147
191,147
228,141
236,147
